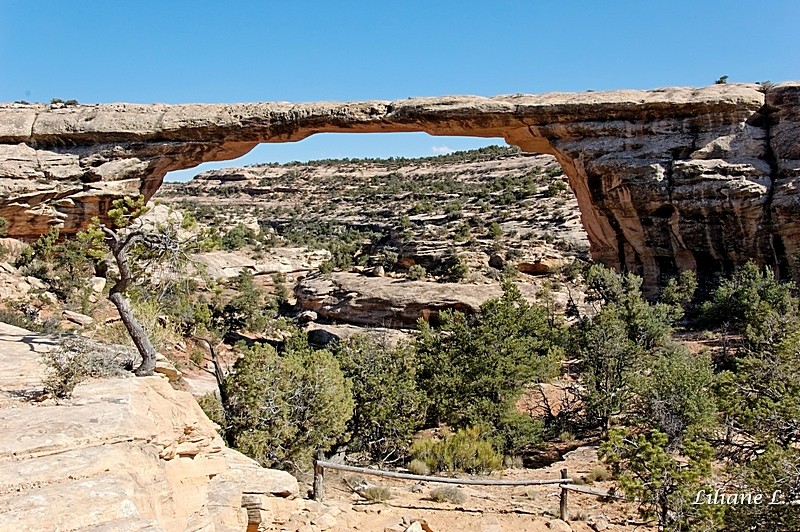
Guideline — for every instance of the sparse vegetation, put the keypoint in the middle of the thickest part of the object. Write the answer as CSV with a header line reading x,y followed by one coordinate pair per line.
x,y
77,359
466,450
673,417
376,493
449,494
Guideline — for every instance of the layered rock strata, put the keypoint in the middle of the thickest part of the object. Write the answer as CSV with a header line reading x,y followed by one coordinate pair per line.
x,y
665,179
122,454
345,297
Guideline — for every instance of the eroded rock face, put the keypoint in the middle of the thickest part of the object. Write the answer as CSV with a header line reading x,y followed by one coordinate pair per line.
x,y
345,297
122,454
666,179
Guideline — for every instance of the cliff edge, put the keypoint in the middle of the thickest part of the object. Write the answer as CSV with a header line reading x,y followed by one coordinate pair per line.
x,y
122,454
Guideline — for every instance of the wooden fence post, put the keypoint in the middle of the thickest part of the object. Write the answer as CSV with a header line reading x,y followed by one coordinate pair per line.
x,y
563,512
319,478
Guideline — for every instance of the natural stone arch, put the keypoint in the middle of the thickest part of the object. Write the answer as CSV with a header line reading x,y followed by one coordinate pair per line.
x,y
665,180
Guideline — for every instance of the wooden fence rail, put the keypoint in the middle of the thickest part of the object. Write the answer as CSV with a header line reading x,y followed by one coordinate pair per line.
x,y
321,465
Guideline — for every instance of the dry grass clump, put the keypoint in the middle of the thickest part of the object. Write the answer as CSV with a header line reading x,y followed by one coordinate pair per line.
x,y
464,451
376,493
418,467
598,474
447,494
77,359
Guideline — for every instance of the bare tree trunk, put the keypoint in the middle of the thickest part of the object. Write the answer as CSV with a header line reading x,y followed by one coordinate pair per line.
x,y
219,375
116,295
137,334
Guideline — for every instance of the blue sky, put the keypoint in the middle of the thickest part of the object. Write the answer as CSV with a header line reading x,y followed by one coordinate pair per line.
x,y
206,51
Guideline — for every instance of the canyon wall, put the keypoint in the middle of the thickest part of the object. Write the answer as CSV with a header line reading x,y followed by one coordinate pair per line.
x,y
666,179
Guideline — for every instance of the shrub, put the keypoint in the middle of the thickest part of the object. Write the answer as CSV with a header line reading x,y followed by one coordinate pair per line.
x,y
454,267
162,333
76,360
465,450
283,408
418,467
754,302
376,493
665,485
238,236
677,396
198,357
389,407
447,494
598,474
679,291
212,407
188,221
613,343
250,309
555,188
473,367
416,273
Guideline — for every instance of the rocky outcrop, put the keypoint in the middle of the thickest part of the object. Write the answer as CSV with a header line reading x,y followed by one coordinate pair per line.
x,y
666,179
123,454
346,297
227,264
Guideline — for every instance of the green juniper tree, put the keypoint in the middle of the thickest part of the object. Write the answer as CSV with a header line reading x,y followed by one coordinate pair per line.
x,y
473,366
389,407
280,409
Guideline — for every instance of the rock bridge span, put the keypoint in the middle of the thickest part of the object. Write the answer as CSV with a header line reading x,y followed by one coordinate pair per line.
x,y
666,179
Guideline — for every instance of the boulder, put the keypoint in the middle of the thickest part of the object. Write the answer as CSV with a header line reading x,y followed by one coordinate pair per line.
x,y
76,317
388,302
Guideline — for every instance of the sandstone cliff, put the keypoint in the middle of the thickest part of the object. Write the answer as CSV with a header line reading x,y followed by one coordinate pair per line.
x,y
123,454
665,179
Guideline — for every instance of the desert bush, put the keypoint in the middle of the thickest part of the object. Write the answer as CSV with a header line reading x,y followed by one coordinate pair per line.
x,y
555,188
198,357
677,396
466,450
753,302
281,409
680,291
447,494
212,407
389,407
473,367
376,493
237,237
281,291
454,267
614,343
495,231
77,359
598,474
162,332
22,318
418,467
250,309
416,273
663,483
